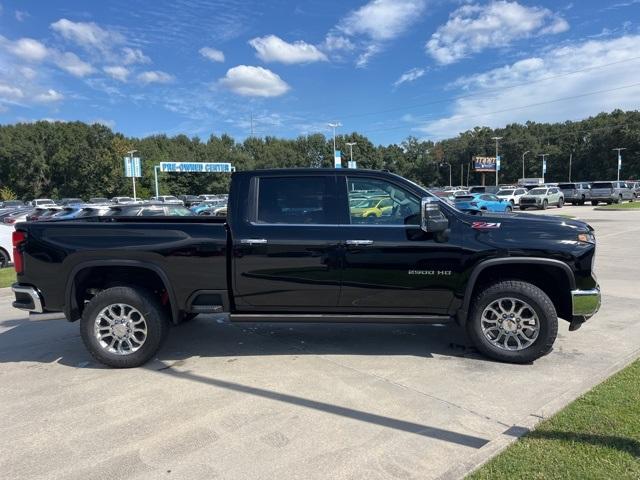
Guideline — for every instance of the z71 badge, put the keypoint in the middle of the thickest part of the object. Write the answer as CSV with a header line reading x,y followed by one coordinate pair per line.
x,y
484,225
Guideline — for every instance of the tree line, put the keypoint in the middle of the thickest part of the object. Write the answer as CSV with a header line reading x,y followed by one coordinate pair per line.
x,y
74,159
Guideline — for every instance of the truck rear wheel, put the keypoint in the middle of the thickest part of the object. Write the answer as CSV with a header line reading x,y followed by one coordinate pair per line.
x,y
513,321
123,327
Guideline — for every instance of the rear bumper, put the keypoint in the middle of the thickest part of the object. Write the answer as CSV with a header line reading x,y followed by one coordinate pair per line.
x,y
27,298
585,303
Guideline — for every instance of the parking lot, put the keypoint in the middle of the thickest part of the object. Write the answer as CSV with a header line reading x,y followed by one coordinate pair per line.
x,y
302,401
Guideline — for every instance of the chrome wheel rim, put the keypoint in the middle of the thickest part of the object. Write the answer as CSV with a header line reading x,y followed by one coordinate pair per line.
x,y
510,324
120,329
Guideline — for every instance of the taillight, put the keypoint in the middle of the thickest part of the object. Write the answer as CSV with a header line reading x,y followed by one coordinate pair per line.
x,y
9,220
18,237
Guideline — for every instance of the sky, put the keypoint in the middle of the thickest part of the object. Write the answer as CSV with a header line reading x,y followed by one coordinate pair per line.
x,y
385,68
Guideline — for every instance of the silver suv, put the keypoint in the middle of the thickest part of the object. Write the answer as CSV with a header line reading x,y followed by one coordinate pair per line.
x,y
610,192
575,193
541,198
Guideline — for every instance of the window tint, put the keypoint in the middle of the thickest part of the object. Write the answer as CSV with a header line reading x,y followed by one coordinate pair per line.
x,y
393,204
295,200
602,185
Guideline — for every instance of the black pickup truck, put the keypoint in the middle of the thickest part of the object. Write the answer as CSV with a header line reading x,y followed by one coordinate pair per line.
x,y
313,245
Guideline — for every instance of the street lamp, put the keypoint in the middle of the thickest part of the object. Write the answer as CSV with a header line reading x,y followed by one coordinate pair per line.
x,y
524,155
350,145
497,139
156,168
544,164
619,160
450,178
334,126
133,176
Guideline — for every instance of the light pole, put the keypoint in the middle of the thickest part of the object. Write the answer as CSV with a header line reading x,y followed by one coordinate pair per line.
x,y
350,145
524,155
133,176
450,179
619,160
497,139
544,164
334,126
156,168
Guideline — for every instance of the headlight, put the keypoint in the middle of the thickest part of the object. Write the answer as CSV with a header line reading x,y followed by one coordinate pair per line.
x,y
587,238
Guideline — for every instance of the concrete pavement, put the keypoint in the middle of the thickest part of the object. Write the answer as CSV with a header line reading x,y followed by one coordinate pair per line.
x,y
300,401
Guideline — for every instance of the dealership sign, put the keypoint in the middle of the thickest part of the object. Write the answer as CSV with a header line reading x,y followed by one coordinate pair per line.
x,y
132,167
196,167
484,164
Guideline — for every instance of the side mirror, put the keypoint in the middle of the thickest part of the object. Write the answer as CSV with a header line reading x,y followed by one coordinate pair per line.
x,y
433,220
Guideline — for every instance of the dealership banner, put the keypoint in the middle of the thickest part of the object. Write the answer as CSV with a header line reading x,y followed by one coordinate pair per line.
x,y
196,167
484,164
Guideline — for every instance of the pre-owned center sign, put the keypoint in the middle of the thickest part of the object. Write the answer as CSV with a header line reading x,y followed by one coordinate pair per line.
x,y
196,167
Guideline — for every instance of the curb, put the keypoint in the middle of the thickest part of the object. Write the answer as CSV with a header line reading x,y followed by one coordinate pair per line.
x,y
528,423
604,209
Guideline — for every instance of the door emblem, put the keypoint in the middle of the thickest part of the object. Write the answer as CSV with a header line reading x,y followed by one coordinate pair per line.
x,y
484,225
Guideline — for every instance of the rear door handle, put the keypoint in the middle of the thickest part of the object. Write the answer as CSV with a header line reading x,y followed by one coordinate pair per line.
x,y
253,241
359,243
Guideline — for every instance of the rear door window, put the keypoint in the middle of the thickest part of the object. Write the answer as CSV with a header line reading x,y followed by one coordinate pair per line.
x,y
307,200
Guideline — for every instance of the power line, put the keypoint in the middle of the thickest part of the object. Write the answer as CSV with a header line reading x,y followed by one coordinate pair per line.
x,y
521,107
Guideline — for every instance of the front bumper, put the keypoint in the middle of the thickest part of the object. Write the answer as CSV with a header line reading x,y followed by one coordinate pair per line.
x,y
585,303
27,298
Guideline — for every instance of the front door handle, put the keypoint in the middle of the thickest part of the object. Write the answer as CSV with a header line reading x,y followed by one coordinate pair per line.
x,y
253,241
359,243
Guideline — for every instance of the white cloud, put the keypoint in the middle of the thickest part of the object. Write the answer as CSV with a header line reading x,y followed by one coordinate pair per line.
x,y
72,64
154,76
473,28
371,26
382,19
87,34
50,96
520,91
273,49
409,76
21,15
10,93
134,55
254,82
212,54
27,49
117,72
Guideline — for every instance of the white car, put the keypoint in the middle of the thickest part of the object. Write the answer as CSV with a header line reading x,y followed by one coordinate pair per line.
x,y
511,194
6,245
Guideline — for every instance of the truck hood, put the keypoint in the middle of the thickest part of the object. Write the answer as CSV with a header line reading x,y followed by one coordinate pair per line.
x,y
530,220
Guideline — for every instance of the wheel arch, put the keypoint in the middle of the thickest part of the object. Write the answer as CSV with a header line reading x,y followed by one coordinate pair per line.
x,y
546,269
73,310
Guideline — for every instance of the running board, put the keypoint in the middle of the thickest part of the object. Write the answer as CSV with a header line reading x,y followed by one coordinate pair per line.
x,y
337,318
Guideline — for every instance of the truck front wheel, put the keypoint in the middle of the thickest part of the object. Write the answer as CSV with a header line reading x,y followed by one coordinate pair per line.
x,y
123,327
513,321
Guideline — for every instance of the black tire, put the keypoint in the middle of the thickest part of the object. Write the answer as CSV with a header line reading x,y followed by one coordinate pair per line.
x,y
509,209
5,260
149,307
545,205
619,200
594,203
523,208
560,203
528,293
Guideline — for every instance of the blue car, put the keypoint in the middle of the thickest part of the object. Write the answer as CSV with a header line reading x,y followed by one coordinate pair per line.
x,y
476,202
200,208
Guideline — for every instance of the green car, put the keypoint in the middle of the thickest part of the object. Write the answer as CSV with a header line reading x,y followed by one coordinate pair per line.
x,y
542,198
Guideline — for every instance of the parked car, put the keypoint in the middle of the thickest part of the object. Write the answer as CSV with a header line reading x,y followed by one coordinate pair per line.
x,y
202,207
610,192
42,213
207,197
511,195
575,193
167,199
42,202
16,217
542,198
93,211
482,202
148,211
99,200
6,245
122,200
189,200
288,252
371,207
484,189
70,201
635,187
12,204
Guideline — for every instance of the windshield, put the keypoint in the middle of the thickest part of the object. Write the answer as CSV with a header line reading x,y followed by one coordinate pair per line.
x,y
602,185
566,186
505,192
538,191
